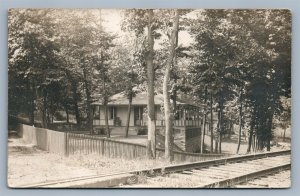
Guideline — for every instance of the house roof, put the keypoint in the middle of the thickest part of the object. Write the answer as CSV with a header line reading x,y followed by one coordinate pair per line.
x,y
140,99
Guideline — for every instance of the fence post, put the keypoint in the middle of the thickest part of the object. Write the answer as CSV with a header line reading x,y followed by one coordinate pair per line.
x,y
102,147
134,151
66,145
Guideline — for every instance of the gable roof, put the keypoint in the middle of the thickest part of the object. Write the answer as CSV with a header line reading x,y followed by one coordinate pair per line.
x,y
140,99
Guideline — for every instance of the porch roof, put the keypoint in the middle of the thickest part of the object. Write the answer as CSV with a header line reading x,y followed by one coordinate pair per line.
x,y
140,99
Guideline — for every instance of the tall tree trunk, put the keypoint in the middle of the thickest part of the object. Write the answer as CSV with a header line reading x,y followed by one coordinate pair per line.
x,y
105,103
230,128
106,117
167,105
32,105
283,139
174,100
75,102
151,146
67,112
202,147
220,131
88,101
221,122
211,125
250,140
217,134
217,143
204,123
220,143
38,105
50,113
269,129
128,114
251,131
31,115
44,109
255,143
49,117
240,123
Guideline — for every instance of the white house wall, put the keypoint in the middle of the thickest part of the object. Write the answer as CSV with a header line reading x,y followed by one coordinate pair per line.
x,y
121,113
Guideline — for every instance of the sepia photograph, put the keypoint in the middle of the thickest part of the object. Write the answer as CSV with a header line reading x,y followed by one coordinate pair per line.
x,y
149,98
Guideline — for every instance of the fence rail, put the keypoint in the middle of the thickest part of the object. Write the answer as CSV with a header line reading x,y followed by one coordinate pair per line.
x,y
87,144
72,143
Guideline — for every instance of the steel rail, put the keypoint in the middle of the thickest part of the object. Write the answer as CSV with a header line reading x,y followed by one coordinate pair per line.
x,y
228,183
204,164
54,182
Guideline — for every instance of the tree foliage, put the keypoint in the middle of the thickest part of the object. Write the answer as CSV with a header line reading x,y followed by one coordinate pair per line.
x,y
242,49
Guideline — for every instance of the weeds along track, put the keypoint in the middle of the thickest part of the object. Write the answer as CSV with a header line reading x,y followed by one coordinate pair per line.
x,y
218,173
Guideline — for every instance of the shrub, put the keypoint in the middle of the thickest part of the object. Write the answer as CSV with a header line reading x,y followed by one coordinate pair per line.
x,y
100,131
58,116
142,131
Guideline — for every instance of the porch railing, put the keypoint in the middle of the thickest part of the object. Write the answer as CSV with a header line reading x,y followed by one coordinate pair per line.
x,y
177,123
102,122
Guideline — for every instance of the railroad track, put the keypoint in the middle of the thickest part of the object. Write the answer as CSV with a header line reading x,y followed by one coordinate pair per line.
x,y
277,180
219,173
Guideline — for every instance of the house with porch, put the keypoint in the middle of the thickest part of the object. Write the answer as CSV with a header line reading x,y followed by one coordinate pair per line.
x,y
187,121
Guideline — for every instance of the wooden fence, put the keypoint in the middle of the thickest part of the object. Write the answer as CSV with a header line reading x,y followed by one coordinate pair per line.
x,y
45,139
72,143
86,144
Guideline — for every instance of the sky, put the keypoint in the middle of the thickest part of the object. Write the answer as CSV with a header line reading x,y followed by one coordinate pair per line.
x,y
112,19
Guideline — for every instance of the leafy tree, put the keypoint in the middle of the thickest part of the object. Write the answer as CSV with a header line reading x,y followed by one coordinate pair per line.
x,y
138,21
126,69
214,64
236,51
33,56
87,53
268,76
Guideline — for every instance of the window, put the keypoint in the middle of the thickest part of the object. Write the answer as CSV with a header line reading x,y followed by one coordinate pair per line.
x,y
138,112
96,112
113,112
138,115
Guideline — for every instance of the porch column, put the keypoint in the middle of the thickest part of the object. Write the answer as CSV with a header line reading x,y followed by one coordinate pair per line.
x,y
140,116
184,117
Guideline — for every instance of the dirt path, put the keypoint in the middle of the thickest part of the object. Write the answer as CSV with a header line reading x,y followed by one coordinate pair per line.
x,y
29,165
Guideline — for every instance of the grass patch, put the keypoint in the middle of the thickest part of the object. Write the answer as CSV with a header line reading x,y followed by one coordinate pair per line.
x,y
113,165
